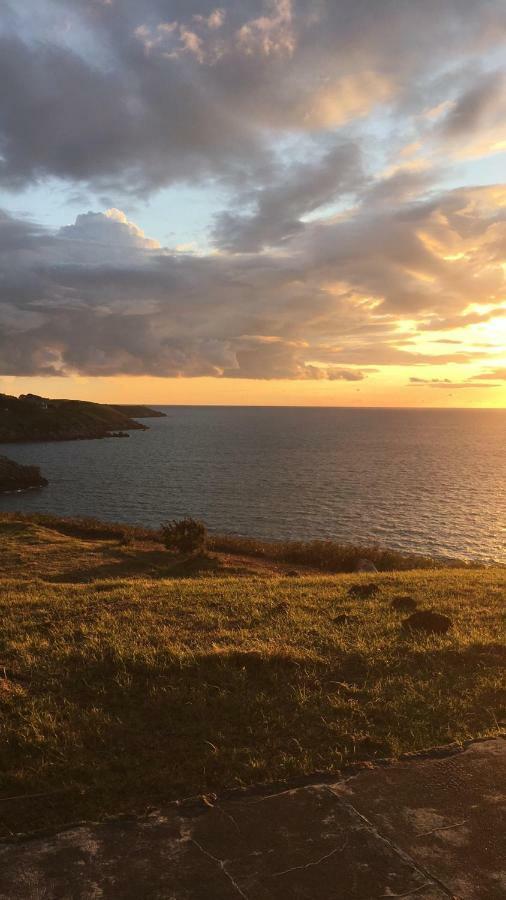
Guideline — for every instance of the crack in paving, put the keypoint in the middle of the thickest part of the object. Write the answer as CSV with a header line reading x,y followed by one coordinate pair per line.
x,y
275,796
407,894
433,879
223,866
441,828
309,865
228,816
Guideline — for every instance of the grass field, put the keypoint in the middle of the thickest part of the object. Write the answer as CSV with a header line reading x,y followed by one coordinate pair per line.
x,y
122,686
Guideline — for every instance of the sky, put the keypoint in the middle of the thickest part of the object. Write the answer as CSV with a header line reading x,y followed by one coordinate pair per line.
x,y
273,202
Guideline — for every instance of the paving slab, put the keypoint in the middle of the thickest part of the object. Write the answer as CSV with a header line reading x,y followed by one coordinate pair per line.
x,y
447,812
428,828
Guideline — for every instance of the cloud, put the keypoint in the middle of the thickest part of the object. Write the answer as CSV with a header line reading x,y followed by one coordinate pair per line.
x,y
475,105
18,234
430,380
403,258
214,20
103,235
475,124
278,207
496,374
446,383
401,185
345,294
114,129
464,320
272,33
133,96
114,303
324,129
271,357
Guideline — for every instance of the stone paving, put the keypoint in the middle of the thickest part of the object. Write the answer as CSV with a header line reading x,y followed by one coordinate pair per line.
x,y
428,827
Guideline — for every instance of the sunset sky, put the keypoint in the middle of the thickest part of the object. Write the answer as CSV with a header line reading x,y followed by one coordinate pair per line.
x,y
256,202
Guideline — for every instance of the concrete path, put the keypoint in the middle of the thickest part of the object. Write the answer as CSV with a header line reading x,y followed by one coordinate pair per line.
x,y
428,827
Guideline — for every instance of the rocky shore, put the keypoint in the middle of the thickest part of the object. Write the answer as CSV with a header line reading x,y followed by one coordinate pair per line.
x,y
15,477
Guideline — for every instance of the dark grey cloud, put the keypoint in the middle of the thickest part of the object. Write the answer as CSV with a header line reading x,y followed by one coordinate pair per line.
x,y
400,187
279,206
484,98
18,234
115,129
134,96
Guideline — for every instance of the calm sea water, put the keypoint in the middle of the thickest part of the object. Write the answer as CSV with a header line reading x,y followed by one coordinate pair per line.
x,y
426,481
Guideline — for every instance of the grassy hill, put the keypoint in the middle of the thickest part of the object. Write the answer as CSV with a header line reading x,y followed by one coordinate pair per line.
x,y
125,682
58,420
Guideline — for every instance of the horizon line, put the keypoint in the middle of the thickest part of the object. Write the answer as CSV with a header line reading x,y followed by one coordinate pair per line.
x,y
298,406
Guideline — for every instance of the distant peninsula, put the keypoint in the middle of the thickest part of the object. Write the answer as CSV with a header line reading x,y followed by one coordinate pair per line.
x,y
32,418
138,412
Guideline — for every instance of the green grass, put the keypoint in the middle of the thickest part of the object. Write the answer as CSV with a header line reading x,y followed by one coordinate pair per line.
x,y
121,687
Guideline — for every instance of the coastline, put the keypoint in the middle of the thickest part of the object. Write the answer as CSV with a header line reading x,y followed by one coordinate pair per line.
x,y
325,556
31,419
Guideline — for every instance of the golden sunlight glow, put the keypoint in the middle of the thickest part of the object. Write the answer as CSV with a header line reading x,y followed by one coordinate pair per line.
x,y
421,276
388,386
431,243
495,332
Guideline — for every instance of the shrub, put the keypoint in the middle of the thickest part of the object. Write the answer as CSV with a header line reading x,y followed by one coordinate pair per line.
x,y
188,536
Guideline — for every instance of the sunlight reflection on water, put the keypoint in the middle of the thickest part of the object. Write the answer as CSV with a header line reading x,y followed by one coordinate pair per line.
x,y
430,481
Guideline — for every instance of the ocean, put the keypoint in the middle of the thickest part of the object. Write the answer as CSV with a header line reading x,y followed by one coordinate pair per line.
x,y
423,481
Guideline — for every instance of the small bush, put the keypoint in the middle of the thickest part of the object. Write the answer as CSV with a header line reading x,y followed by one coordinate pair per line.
x,y
187,536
